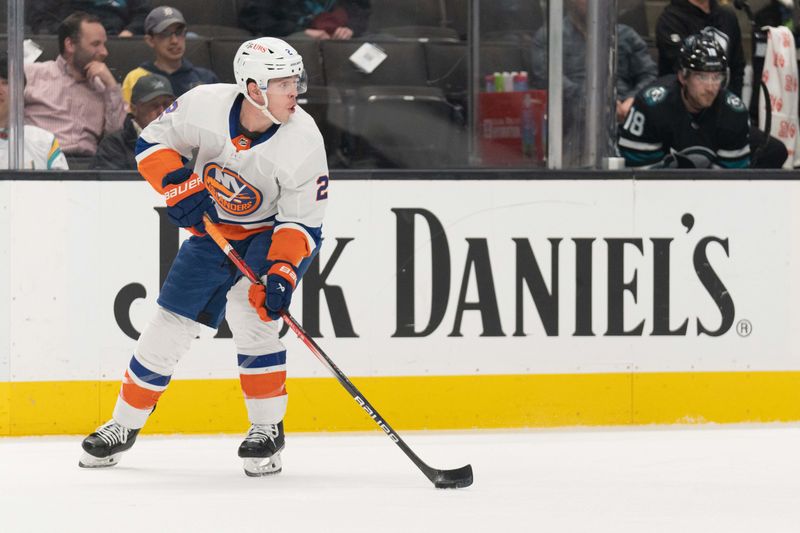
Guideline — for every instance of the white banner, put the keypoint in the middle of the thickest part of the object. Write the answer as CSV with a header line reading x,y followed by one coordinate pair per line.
x,y
520,277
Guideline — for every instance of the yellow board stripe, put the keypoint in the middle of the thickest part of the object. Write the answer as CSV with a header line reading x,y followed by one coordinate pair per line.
x,y
430,402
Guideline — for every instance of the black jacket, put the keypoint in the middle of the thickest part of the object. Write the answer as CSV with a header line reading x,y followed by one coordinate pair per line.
x,y
635,68
681,19
116,151
44,16
279,18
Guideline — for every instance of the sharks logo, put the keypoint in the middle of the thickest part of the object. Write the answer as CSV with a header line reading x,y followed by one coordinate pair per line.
x,y
654,95
231,192
734,102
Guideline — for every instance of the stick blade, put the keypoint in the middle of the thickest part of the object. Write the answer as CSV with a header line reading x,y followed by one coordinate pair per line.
x,y
452,479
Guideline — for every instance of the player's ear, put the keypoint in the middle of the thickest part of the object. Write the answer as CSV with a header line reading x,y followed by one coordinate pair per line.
x,y
253,91
149,40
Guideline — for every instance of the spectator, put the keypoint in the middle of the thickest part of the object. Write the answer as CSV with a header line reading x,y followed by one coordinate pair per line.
x,y
779,13
315,19
165,33
75,96
690,121
682,18
152,94
635,70
42,150
119,17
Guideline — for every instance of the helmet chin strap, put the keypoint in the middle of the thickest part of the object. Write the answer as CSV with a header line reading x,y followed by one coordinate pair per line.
x,y
263,108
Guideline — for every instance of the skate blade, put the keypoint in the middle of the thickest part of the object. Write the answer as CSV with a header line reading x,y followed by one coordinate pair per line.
x,y
90,461
263,466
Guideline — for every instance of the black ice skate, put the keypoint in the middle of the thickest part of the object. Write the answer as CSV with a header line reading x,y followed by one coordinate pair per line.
x,y
261,449
104,447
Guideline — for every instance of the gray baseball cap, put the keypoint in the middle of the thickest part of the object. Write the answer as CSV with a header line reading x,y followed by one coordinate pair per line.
x,y
161,18
150,86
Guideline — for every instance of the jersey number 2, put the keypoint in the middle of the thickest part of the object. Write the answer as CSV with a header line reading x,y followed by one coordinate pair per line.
x,y
322,191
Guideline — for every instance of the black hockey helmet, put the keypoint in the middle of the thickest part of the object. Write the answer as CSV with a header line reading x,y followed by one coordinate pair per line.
x,y
703,52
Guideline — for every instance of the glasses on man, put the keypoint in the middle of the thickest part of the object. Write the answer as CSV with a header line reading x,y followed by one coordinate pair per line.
x,y
287,86
709,77
169,34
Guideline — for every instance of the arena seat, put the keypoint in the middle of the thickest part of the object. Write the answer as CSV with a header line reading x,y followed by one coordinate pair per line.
x,y
404,127
447,64
198,53
222,52
456,16
393,13
48,44
423,33
215,31
447,67
512,20
125,54
312,59
215,12
405,64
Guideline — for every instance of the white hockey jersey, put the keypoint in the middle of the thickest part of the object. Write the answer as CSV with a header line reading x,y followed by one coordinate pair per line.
x,y
279,179
42,151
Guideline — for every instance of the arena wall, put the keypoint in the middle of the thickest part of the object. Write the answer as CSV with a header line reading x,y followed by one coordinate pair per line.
x,y
467,301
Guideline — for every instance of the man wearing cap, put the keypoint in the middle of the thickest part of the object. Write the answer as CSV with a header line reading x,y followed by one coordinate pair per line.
x,y
151,95
165,33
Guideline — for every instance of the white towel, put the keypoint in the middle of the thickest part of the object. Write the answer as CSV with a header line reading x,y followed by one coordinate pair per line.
x,y
780,76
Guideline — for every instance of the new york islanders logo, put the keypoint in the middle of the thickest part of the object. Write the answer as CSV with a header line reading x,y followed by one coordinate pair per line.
x,y
231,192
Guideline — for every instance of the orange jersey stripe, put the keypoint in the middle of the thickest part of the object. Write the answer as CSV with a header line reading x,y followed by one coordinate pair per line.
x,y
260,386
289,245
136,396
157,165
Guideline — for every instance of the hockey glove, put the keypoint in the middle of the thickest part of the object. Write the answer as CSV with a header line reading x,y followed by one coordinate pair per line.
x,y
187,199
275,294
693,157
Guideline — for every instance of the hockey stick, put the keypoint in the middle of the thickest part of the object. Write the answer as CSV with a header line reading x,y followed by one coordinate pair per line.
x,y
441,479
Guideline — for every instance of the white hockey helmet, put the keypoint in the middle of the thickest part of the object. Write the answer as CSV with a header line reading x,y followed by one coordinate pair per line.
x,y
264,59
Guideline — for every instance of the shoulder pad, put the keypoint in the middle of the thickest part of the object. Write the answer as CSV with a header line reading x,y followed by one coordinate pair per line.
x,y
654,95
734,102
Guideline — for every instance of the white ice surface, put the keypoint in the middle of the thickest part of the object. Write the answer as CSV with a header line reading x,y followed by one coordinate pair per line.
x,y
678,479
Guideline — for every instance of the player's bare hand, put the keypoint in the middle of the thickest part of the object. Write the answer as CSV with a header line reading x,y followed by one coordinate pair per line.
x,y
623,107
99,70
317,34
342,33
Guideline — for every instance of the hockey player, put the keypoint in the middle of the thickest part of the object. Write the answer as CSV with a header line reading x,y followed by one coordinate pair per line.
x,y
261,173
691,121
